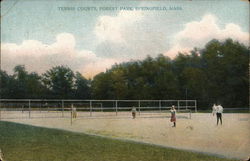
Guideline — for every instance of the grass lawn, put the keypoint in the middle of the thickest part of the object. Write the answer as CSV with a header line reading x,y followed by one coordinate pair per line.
x,y
27,143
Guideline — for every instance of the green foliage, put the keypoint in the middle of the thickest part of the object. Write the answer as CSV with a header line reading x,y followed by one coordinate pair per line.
x,y
60,81
23,142
217,73
226,67
21,84
6,85
82,87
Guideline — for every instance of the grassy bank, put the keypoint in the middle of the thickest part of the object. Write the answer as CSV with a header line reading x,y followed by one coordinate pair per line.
x,y
22,142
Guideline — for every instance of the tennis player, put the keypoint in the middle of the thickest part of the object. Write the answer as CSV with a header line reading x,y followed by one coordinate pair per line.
x,y
173,115
133,112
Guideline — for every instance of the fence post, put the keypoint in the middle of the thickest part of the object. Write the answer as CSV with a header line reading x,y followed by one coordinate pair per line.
x,y
0,109
90,105
116,107
139,107
71,115
178,104
195,104
160,104
29,108
62,108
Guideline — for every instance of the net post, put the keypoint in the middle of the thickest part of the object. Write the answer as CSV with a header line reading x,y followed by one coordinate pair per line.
x,y
29,108
71,116
116,107
139,107
62,108
195,104
90,105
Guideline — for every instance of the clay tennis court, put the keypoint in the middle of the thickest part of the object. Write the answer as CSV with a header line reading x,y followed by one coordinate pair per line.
x,y
200,133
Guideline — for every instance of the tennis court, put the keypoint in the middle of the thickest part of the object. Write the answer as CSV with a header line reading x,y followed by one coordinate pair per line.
x,y
200,133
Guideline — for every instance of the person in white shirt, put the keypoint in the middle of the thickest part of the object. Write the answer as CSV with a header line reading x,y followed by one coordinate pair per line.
x,y
219,111
214,109
73,111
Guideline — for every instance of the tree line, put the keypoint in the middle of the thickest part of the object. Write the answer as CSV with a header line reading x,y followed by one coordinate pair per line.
x,y
218,73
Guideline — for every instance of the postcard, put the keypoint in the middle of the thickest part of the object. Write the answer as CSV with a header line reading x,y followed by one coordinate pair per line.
x,y
118,80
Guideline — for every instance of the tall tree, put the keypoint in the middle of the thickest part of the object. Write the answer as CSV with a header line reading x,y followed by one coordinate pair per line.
x,y
82,87
102,87
120,82
35,88
226,65
7,85
60,81
21,85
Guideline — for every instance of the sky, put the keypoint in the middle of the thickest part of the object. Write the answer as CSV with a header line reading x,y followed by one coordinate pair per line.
x,y
89,36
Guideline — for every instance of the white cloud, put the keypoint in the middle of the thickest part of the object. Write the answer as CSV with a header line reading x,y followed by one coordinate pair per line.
x,y
234,31
64,42
97,66
130,35
39,57
111,28
198,33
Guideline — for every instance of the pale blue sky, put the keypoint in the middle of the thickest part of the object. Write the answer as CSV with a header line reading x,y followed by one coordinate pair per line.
x,y
43,21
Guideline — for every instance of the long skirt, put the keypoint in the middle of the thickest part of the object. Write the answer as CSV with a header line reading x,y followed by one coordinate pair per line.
x,y
173,118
